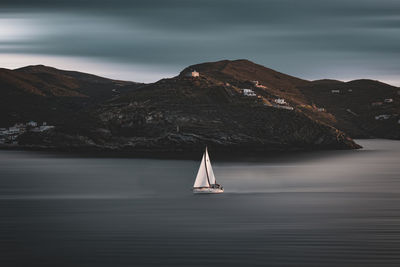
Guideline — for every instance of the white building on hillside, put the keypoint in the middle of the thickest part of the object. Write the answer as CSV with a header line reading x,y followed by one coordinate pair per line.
x,y
32,123
335,91
382,117
248,92
280,101
192,74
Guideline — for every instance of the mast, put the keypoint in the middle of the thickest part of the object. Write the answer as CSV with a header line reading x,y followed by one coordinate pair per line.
x,y
205,164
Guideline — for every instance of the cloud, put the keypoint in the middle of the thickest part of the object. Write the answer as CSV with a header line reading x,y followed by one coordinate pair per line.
x,y
297,37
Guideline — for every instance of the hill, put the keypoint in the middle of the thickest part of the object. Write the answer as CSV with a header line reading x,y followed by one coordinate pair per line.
x,y
242,72
44,93
183,114
277,112
358,106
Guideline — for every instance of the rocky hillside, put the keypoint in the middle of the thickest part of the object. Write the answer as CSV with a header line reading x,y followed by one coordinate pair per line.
x,y
206,105
361,108
186,113
241,73
43,93
354,109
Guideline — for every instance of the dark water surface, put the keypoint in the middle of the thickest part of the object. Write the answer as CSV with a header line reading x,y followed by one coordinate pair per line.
x,y
311,209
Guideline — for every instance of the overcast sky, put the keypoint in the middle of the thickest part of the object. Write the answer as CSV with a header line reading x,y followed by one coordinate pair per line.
x,y
151,39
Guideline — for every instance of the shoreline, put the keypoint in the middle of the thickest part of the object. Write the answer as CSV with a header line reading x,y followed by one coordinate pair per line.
x,y
231,154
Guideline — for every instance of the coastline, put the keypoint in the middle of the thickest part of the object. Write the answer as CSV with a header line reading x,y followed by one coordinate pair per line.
x,y
231,153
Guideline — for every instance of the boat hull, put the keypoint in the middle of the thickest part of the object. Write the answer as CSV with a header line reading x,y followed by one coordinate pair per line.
x,y
208,190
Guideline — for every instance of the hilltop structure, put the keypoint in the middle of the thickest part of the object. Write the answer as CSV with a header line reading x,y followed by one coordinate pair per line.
x,y
193,74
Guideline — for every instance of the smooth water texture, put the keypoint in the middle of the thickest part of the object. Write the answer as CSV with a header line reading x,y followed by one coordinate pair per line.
x,y
320,208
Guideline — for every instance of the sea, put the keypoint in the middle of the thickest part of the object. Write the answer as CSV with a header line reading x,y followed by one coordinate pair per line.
x,y
324,208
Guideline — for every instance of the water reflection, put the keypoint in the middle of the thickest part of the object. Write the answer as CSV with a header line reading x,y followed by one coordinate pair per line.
x,y
322,208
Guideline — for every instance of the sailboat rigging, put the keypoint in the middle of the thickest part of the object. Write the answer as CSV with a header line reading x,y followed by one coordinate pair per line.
x,y
205,180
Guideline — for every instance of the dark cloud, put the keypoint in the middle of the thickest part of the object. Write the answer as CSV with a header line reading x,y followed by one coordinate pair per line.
x,y
298,37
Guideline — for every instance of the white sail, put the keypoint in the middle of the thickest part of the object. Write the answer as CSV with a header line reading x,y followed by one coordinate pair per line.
x,y
205,180
211,176
201,178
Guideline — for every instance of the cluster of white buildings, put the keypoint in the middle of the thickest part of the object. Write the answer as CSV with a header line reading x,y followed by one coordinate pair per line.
x,y
279,102
276,103
9,135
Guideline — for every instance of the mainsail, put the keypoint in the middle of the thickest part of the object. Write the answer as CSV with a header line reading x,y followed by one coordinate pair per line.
x,y
211,176
205,176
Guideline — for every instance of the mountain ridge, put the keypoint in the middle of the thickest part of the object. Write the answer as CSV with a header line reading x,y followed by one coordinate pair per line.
x,y
44,93
183,113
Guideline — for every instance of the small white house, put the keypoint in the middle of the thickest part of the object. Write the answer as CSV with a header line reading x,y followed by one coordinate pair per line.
x,y
248,92
388,100
193,74
280,101
32,123
350,90
382,117
335,91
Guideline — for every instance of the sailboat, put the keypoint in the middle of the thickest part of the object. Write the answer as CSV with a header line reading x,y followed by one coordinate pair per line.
x,y
205,180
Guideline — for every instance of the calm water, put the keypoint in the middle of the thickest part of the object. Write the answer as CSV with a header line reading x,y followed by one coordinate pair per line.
x,y
323,208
